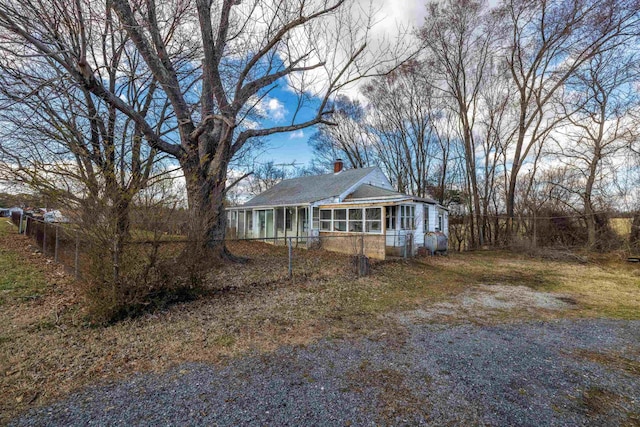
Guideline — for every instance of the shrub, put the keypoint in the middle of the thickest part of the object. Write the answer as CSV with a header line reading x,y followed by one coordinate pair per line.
x,y
149,277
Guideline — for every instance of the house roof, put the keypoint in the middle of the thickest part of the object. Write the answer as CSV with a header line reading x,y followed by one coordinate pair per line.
x,y
308,189
368,191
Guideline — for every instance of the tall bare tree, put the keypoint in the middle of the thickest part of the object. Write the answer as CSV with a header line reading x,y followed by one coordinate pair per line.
x,y
547,42
458,38
214,61
79,150
400,120
601,96
346,138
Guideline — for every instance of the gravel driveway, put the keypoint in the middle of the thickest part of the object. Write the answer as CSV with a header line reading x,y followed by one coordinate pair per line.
x,y
567,372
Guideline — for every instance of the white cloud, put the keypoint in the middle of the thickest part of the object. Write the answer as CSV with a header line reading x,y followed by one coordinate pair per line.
x,y
275,109
297,134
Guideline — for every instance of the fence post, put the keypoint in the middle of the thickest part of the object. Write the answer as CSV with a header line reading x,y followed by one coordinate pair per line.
x,y
55,251
290,259
404,251
75,261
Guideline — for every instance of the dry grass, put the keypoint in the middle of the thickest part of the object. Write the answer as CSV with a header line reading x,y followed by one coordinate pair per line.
x,y
622,226
48,350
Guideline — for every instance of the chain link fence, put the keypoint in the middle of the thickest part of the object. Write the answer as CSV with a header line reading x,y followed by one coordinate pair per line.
x,y
61,242
66,245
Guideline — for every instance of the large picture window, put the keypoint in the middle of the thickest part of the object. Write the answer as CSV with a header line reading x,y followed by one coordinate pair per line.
x,y
354,220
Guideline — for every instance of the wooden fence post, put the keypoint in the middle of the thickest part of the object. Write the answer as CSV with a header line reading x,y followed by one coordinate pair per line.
x,y
290,259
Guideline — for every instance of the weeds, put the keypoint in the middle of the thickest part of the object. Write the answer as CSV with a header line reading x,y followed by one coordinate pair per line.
x,y
48,351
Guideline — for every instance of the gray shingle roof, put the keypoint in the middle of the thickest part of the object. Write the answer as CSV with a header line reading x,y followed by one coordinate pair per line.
x,y
309,189
368,191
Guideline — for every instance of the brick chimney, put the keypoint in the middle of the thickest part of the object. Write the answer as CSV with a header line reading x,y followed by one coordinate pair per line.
x,y
337,165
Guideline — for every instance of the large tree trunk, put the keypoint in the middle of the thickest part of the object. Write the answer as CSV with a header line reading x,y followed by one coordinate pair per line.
x,y
121,217
206,175
208,221
588,202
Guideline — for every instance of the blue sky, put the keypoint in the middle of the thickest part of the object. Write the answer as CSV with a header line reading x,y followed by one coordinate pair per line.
x,y
289,147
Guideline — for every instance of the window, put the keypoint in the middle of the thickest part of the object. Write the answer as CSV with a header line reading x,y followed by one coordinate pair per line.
x,y
407,215
325,220
355,220
426,218
440,222
373,220
391,217
315,222
340,220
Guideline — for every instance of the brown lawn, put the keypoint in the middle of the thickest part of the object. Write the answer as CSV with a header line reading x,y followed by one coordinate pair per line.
x,y
48,349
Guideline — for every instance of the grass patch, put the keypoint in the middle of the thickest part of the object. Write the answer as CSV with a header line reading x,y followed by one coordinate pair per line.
x,y
19,279
599,401
256,307
614,361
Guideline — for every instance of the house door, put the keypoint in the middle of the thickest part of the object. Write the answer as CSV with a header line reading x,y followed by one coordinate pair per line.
x,y
392,235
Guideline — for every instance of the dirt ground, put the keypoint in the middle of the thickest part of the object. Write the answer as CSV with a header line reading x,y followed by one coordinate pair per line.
x,y
49,350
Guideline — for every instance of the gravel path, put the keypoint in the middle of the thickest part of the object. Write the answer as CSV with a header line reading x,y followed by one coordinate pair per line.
x,y
553,373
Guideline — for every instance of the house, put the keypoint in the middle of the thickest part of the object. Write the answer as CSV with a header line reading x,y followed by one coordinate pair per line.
x,y
346,211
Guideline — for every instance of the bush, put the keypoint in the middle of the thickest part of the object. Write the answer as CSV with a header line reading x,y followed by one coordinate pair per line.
x,y
149,277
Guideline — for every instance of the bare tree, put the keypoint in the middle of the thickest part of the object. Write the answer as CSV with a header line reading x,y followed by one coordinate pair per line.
x,y
214,61
61,141
400,123
346,138
601,94
546,43
458,41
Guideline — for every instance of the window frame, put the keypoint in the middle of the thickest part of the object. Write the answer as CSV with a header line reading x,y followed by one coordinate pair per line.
x,y
368,222
354,220
340,223
326,222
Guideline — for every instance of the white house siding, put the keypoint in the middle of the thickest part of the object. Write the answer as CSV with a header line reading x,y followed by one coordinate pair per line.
x,y
433,218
